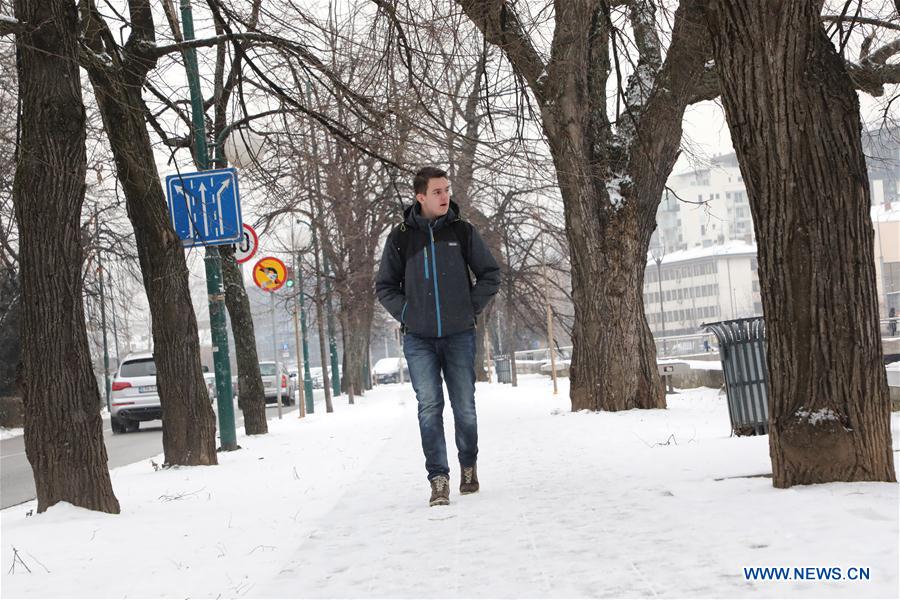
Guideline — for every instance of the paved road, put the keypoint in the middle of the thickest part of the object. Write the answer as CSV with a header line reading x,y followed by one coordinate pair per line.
x,y
17,480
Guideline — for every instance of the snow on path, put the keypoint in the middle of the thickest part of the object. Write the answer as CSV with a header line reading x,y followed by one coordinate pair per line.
x,y
633,504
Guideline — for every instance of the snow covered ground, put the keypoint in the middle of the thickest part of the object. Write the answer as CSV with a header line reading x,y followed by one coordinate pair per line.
x,y
10,432
634,504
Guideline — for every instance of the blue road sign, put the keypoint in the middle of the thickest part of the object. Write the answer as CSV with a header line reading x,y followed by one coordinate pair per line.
x,y
205,207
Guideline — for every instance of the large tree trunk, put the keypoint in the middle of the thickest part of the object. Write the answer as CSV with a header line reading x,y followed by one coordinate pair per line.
x,y
10,330
63,428
251,394
611,179
189,429
614,356
794,119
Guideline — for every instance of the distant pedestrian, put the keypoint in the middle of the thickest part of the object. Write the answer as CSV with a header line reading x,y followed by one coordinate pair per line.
x,y
892,323
423,281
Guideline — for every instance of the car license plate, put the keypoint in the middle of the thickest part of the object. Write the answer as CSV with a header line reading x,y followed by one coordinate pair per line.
x,y
144,389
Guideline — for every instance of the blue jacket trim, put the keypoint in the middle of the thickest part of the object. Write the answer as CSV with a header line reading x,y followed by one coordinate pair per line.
x,y
437,295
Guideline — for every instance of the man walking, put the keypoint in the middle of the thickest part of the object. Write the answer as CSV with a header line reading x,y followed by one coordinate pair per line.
x,y
424,283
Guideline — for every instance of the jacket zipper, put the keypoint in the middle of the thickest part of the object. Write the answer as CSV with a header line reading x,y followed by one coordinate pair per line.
x,y
437,296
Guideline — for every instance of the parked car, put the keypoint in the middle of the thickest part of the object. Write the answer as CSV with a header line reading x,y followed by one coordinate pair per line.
x,y
387,370
315,374
133,397
267,371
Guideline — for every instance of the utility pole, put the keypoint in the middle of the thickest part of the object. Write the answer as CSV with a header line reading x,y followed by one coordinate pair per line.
x,y
212,261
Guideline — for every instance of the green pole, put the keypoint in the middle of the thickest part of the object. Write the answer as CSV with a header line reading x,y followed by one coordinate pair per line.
x,y
307,376
212,261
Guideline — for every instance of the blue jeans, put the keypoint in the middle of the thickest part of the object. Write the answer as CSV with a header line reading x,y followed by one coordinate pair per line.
x,y
427,358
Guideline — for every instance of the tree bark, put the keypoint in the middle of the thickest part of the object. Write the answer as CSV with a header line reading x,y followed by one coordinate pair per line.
x,y
10,329
794,119
251,394
324,357
189,429
611,180
63,428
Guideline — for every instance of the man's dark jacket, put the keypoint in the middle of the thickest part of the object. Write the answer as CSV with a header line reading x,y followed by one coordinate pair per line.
x,y
432,294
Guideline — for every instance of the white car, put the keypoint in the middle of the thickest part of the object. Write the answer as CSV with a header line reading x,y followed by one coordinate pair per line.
x,y
387,370
267,371
134,397
133,394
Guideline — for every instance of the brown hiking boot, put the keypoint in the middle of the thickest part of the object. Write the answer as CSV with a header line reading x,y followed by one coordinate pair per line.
x,y
468,480
440,491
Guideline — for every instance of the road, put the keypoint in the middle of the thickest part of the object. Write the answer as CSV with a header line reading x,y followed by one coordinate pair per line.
x,y
17,480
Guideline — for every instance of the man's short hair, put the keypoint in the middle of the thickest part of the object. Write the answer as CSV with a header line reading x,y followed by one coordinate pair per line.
x,y
420,181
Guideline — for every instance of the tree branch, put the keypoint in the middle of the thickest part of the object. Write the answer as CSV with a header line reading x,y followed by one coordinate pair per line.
x,y
10,26
501,26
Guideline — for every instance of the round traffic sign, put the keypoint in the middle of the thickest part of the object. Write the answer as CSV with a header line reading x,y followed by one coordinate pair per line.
x,y
269,274
247,246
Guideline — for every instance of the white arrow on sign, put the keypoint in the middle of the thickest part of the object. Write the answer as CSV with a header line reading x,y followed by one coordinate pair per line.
x,y
203,208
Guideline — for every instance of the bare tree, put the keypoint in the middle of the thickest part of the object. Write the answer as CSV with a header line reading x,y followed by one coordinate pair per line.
x,y
63,428
795,121
117,75
611,173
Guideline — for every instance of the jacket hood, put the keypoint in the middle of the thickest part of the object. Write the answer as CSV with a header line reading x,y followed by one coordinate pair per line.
x,y
413,218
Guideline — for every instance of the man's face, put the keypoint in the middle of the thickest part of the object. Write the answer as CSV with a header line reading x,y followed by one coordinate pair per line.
x,y
436,200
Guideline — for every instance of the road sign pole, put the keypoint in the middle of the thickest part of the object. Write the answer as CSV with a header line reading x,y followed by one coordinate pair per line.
x,y
212,262
275,349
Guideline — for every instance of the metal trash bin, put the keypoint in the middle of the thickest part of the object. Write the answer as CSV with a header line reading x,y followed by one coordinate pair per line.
x,y
503,367
742,349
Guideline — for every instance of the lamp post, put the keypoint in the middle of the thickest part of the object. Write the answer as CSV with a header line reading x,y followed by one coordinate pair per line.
x,y
299,306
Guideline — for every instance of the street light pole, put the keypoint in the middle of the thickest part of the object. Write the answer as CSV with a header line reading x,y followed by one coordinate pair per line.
x,y
212,261
300,308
